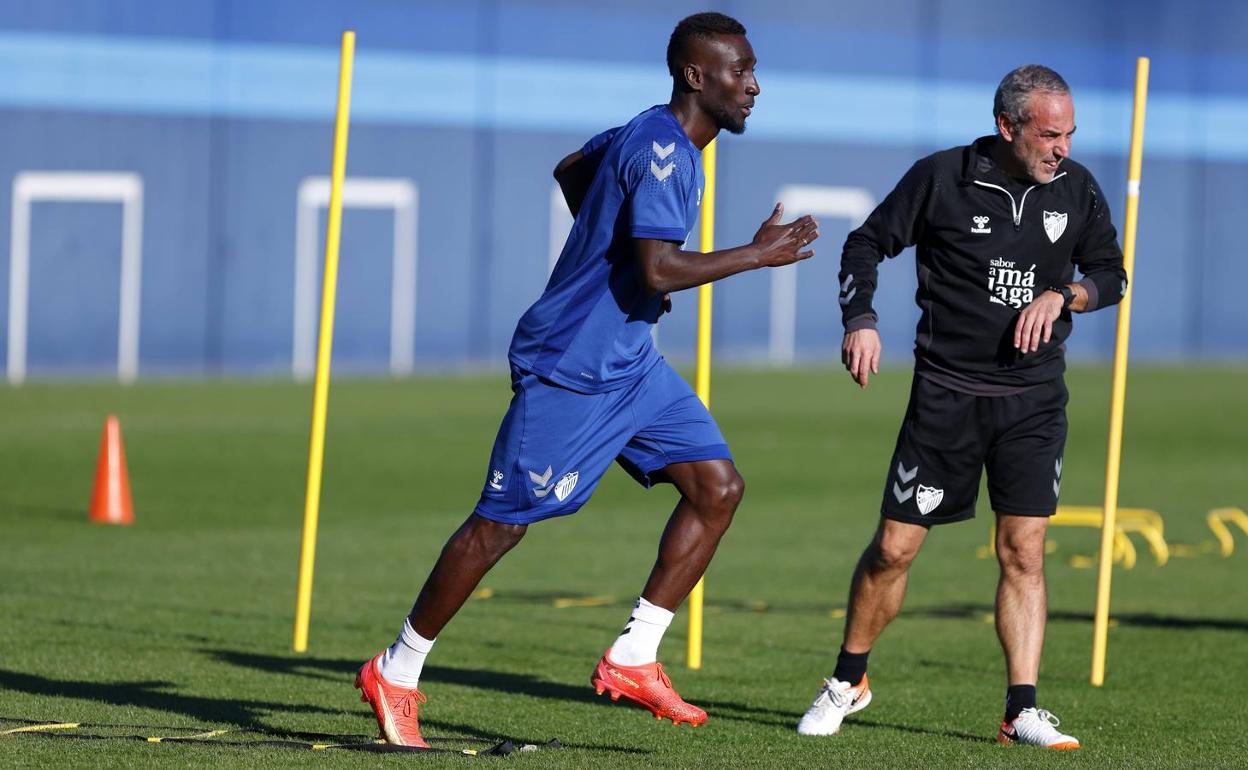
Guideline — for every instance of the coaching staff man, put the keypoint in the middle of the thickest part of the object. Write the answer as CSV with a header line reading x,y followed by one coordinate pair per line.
x,y
1000,227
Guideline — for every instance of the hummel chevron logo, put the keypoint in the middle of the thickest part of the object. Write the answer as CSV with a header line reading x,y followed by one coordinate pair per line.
x,y
846,291
1057,467
542,489
902,494
662,173
906,476
1057,479
663,152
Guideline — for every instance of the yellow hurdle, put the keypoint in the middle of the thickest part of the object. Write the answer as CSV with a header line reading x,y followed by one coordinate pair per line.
x,y
1217,519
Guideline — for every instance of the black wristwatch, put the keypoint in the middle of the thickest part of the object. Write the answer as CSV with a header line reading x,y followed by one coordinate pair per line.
x,y
1068,296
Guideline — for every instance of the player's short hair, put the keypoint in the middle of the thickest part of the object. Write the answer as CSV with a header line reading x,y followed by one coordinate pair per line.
x,y
1018,84
703,25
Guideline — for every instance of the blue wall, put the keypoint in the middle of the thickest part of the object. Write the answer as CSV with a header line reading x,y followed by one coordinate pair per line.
x,y
224,106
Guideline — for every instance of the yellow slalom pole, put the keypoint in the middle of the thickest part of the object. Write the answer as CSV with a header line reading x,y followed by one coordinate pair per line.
x,y
320,398
1100,630
702,377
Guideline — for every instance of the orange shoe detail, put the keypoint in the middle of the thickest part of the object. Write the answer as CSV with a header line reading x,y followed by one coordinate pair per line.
x,y
648,687
395,707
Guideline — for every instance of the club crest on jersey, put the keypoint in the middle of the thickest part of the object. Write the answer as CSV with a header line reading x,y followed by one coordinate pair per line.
x,y
981,225
566,485
928,498
1054,225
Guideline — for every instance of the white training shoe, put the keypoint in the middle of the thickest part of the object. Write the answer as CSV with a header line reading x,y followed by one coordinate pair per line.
x,y
835,701
1036,727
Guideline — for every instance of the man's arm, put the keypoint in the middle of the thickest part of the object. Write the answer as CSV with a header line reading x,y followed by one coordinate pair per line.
x,y
894,225
574,173
1103,284
665,268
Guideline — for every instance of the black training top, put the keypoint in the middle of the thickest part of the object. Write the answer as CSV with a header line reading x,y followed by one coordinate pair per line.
x,y
988,244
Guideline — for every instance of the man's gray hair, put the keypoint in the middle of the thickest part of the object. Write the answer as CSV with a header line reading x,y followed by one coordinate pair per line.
x,y
1011,96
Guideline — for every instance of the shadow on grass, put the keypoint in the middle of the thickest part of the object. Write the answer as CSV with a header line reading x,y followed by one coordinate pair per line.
x,y
503,682
246,715
977,612
155,694
858,722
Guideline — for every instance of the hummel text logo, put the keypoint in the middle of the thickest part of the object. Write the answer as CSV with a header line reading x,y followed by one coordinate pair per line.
x,y
981,225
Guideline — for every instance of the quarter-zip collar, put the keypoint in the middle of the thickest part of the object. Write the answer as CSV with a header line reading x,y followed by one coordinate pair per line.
x,y
979,169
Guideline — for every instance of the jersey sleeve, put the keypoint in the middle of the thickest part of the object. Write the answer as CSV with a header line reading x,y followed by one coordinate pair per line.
x,y
598,143
894,225
1097,254
661,180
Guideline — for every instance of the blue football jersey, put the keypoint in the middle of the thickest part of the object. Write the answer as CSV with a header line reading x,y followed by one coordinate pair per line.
x,y
590,329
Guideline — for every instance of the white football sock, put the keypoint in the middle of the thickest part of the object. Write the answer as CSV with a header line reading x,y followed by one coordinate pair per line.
x,y
405,659
638,643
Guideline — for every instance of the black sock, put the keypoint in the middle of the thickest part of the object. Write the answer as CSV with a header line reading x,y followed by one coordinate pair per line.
x,y
1017,698
851,666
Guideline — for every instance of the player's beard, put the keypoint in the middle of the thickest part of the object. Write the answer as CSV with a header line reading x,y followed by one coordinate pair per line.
x,y
731,121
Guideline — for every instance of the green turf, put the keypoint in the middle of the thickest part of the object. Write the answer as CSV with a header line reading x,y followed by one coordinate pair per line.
x,y
184,620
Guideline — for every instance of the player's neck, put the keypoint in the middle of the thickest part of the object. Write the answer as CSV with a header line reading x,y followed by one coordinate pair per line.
x,y
698,126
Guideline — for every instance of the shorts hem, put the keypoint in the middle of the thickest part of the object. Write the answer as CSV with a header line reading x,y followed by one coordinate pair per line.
x,y
926,520
696,454
1034,512
517,519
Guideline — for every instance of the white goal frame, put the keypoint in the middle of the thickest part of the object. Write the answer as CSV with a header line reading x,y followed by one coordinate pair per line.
x,y
31,187
396,194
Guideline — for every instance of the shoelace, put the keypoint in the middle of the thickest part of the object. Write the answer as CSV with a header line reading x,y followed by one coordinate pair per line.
x,y
662,676
836,695
1048,716
409,703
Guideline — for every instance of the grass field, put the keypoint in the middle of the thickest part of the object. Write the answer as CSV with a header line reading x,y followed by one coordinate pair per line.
x,y
183,621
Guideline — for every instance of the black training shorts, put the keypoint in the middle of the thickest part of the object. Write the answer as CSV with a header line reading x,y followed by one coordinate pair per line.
x,y
948,437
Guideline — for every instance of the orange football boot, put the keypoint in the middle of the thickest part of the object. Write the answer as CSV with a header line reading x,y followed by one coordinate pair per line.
x,y
648,687
395,707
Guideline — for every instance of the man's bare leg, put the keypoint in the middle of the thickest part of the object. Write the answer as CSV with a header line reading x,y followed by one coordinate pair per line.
x,y
710,492
879,583
1022,605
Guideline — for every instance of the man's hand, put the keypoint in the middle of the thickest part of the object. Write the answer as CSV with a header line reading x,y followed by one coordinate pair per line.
x,y
860,352
1035,322
779,244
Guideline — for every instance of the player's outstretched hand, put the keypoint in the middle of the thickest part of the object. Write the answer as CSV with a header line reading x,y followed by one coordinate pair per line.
x,y
785,244
1035,322
860,352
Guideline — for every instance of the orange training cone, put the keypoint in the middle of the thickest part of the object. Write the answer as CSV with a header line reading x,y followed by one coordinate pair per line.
x,y
110,500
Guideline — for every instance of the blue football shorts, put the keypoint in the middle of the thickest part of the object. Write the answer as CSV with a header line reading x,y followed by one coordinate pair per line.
x,y
555,444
